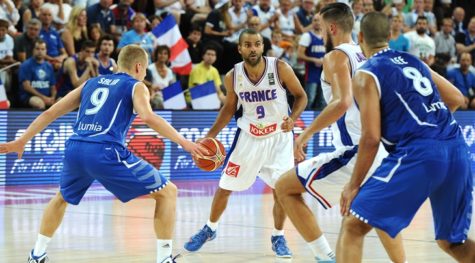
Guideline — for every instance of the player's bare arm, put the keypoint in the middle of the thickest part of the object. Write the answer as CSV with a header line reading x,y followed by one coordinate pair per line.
x,y
71,70
228,109
337,73
288,78
142,107
451,96
69,103
367,97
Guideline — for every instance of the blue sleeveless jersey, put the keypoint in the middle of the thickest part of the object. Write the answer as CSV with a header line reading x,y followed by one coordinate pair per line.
x,y
409,99
107,69
106,110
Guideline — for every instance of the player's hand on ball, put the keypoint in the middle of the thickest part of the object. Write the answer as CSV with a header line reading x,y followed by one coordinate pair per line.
x,y
299,153
287,125
347,196
195,149
16,146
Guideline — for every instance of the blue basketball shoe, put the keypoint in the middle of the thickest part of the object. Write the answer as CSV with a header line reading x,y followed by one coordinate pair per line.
x,y
198,240
40,259
279,246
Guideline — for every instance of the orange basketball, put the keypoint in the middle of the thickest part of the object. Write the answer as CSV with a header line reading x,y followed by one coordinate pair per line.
x,y
215,157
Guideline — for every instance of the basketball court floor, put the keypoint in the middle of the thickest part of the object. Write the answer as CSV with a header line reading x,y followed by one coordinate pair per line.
x,y
101,229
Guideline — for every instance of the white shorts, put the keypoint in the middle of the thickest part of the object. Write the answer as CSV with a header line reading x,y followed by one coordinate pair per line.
x,y
333,168
250,157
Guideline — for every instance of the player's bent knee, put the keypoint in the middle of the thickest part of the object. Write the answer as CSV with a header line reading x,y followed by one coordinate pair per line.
x,y
223,192
169,191
288,184
354,226
446,246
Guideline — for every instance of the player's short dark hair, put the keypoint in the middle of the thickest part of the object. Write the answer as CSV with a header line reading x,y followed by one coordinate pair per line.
x,y
376,29
248,31
421,18
88,44
340,14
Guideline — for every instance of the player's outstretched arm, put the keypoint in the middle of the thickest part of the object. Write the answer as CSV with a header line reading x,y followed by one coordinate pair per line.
x,y
367,97
142,106
70,102
228,109
451,96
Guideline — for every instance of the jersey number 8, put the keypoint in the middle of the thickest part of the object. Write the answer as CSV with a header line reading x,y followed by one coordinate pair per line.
x,y
98,98
421,83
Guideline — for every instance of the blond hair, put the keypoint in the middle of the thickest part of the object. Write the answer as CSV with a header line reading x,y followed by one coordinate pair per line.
x,y
72,25
131,55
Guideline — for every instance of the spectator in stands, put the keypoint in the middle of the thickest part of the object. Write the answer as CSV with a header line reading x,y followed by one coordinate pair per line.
x,y
77,69
55,53
198,10
205,72
25,43
123,14
458,17
311,50
37,79
107,64
285,21
464,80
357,7
154,21
412,17
33,11
161,75
195,45
466,41
101,14
95,33
6,54
420,44
398,41
444,41
9,13
60,11
173,7
268,16
238,21
304,15
254,22
75,32
138,35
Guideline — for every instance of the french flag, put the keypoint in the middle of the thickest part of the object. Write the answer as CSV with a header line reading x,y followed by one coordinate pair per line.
x,y
168,34
4,103
173,97
204,97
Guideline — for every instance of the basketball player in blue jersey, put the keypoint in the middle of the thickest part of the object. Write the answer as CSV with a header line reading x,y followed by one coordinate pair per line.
x,y
257,96
407,106
341,113
96,150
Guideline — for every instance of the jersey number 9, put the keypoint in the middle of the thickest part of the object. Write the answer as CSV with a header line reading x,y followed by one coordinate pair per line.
x,y
98,98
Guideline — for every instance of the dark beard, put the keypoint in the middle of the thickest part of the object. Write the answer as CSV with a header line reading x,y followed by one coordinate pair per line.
x,y
420,31
251,63
329,44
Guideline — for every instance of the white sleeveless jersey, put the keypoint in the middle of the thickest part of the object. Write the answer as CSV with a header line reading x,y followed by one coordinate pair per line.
x,y
263,104
347,130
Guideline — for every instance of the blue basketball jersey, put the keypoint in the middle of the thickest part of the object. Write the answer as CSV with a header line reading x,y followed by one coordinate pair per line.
x,y
410,100
106,110
105,69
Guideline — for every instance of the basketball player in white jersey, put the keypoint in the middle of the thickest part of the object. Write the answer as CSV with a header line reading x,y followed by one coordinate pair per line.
x,y
339,64
256,94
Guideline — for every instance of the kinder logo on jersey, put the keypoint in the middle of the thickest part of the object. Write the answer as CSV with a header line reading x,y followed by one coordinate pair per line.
x,y
261,130
232,169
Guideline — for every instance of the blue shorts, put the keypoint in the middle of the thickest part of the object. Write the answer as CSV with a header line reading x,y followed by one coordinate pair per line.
x,y
114,166
438,170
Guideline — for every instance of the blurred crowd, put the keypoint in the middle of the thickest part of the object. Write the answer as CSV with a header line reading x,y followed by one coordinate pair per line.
x,y
50,47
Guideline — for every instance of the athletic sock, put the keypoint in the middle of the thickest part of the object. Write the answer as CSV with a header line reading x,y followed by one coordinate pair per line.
x,y
164,249
276,232
41,245
212,226
321,248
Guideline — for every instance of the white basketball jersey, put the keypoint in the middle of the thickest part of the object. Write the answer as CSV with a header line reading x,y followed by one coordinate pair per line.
x,y
347,130
264,104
